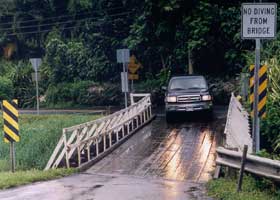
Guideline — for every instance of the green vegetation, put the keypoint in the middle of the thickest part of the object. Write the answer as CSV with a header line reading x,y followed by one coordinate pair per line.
x,y
77,41
225,189
270,126
8,179
6,88
39,136
78,46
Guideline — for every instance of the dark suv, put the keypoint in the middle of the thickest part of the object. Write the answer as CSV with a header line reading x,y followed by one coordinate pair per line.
x,y
187,94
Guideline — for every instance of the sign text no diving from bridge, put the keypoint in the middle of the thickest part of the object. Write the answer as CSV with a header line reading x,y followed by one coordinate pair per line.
x,y
259,20
10,116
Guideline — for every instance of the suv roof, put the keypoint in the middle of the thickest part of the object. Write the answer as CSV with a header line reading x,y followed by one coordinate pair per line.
x,y
187,76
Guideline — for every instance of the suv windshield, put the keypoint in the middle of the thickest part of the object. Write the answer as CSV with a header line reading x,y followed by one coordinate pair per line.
x,y
188,83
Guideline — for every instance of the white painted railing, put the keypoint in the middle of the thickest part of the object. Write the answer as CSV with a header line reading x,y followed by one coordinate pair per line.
x,y
83,144
237,128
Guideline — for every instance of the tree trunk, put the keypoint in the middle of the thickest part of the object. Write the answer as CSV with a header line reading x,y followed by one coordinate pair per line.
x,y
190,61
162,61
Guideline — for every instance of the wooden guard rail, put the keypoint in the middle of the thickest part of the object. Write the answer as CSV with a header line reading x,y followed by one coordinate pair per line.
x,y
82,144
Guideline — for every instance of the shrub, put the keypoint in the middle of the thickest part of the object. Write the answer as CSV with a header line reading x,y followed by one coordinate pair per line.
x,y
83,93
154,83
75,93
270,126
16,82
6,88
253,189
222,88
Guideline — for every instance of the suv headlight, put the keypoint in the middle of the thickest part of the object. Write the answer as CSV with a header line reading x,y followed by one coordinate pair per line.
x,y
206,98
171,99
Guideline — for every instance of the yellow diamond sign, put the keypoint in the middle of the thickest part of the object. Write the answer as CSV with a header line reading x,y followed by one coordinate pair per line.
x,y
133,65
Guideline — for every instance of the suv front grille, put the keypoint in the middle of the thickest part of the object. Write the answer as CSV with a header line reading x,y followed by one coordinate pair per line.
x,y
188,98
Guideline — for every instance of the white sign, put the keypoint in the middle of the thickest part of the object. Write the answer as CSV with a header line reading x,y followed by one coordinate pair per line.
x,y
36,62
259,20
123,55
124,82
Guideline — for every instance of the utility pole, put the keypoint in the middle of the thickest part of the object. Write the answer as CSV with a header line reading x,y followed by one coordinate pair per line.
x,y
190,61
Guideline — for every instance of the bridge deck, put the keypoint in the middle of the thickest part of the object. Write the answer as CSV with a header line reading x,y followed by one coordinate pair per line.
x,y
176,152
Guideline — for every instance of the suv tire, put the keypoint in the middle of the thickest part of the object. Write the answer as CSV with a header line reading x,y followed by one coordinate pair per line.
x,y
169,117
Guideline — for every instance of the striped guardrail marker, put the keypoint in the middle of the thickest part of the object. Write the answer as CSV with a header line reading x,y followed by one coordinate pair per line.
x,y
10,116
262,92
11,127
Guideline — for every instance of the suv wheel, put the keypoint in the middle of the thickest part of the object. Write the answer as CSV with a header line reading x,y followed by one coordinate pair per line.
x,y
169,116
209,114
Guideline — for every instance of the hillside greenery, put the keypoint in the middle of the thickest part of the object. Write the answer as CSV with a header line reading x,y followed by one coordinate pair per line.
x,y
78,40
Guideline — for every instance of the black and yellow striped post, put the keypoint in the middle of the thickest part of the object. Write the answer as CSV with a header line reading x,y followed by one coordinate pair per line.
x,y
262,90
251,84
11,127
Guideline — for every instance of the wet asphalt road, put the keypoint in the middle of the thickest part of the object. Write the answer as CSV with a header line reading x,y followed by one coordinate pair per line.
x,y
160,162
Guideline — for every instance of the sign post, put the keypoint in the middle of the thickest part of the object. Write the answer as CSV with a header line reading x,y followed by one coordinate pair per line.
x,y
123,57
258,22
36,62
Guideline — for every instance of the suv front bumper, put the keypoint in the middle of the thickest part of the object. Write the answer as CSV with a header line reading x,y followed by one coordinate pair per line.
x,y
188,107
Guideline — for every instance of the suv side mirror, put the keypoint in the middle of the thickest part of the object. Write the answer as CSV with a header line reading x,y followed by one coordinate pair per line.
x,y
164,88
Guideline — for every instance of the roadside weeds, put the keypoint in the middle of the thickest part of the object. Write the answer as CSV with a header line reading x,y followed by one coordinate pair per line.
x,y
225,189
9,179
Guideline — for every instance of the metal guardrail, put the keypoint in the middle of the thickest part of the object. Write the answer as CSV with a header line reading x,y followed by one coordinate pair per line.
x,y
254,164
237,128
82,144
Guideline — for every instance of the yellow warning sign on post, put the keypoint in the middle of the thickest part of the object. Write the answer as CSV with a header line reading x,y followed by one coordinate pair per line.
x,y
10,116
133,67
262,91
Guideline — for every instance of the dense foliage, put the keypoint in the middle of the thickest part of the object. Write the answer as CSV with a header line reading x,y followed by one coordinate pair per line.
x,y
78,39
271,124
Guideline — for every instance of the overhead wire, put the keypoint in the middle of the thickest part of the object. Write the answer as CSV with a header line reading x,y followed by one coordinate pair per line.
x,y
59,28
61,16
62,23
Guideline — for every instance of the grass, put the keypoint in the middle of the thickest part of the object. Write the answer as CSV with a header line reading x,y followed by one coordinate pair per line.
x,y
225,189
39,136
8,179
